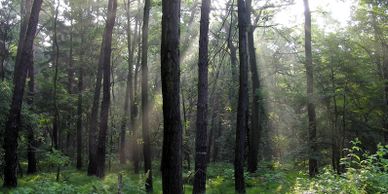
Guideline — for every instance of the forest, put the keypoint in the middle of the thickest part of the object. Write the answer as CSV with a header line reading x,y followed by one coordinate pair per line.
x,y
194,96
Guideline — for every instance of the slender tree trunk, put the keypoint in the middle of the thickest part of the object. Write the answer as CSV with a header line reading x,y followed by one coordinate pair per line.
x,y
134,107
172,137
24,59
256,127
335,132
31,147
242,108
144,99
92,166
199,186
79,120
128,92
55,81
313,151
106,60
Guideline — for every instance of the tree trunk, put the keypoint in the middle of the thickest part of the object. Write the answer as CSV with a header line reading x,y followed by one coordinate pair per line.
x,y
144,99
31,146
79,120
256,127
172,137
313,149
101,149
12,126
242,108
199,186
55,81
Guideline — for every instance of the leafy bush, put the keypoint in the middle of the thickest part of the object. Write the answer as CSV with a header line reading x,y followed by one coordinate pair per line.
x,y
365,173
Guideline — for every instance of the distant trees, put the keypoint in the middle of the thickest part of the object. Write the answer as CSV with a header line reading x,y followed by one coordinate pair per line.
x,y
170,73
24,59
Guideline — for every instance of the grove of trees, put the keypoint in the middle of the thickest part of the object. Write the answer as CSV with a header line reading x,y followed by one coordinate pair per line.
x,y
210,96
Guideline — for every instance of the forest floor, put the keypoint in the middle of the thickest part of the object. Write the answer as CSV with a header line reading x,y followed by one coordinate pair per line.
x,y
220,181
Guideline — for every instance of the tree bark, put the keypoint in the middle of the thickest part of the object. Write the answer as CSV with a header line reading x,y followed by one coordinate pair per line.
x,y
31,147
172,136
144,98
313,150
256,127
79,120
199,186
101,149
23,60
242,108
55,81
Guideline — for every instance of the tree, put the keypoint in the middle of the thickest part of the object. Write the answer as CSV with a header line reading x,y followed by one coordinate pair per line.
x,y
313,162
79,119
172,135
144,98
55,133
256,127
202,104
126,122
242,108
105,61
24,59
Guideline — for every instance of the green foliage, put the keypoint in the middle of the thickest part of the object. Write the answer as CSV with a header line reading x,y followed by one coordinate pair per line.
x,y
365,173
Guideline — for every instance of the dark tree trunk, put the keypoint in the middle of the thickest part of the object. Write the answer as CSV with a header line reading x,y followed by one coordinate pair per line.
x,y
92,166
31,146
255,130
23,61
144,98
242,108
55,81
79,120
199,186
172,136
101,149
313,150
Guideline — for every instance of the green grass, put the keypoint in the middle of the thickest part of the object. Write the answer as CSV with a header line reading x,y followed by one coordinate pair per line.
x,y
220,181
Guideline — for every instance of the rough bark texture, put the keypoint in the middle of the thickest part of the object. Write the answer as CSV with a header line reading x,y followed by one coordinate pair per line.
x,y
199,186
79,120
256,127
242,108
144,98
172,136
313,162
12,126
101,149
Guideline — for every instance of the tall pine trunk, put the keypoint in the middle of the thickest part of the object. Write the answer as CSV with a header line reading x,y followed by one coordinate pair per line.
x,y
172,136
202,104
24,58
79,120
242,108
144,98
313,162
256,127
106,59
55,82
